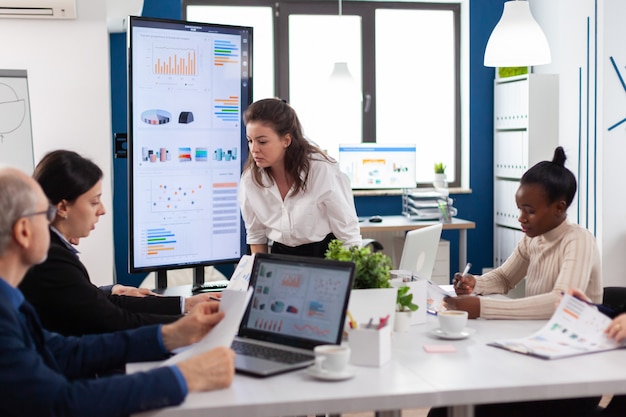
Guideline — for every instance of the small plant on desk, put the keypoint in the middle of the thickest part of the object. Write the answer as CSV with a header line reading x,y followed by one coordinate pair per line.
x,y
440,168
404,300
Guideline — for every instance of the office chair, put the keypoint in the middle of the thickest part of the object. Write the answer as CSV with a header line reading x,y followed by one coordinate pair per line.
x,y
376,246
614,298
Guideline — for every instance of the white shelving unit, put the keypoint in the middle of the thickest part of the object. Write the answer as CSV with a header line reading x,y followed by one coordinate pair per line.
x,y
526,120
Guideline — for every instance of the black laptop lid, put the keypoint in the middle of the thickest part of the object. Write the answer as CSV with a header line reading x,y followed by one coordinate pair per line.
x,y
297,301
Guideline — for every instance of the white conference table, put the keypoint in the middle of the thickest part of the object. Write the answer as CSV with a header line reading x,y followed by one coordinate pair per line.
x,y
474,374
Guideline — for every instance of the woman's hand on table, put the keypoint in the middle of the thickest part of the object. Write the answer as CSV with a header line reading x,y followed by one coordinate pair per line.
x,y
468,303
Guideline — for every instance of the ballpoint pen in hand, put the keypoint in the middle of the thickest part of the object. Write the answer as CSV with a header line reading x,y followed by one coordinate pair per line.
x,y
465,272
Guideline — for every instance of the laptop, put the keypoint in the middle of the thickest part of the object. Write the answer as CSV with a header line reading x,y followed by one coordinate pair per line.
x,y
420,250
298,303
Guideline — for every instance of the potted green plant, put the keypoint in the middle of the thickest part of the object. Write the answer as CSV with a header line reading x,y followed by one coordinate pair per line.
x,y
441,180
372,295
404,309
372,268
404,300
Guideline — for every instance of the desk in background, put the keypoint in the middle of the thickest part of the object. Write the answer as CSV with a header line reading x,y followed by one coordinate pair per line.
x,y
474,374
396,226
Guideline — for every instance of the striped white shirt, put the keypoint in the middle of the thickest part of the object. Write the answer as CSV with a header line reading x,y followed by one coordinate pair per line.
x,y
563,258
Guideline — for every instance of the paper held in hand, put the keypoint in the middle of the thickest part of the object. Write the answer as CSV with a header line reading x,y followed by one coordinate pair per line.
x,y
234,305
436,294
576,328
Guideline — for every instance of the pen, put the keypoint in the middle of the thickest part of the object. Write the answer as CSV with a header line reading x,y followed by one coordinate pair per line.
x,y
353,324
383,322
465,272
214,298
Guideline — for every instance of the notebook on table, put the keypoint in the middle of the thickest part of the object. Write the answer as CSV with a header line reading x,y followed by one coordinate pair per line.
x,y
298,303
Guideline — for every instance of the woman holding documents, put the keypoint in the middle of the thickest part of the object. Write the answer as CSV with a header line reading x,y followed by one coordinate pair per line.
x,y
553,256
291,192
60,288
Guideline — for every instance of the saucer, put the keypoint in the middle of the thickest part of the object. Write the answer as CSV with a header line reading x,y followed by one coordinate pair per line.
x,y
331,376
467,332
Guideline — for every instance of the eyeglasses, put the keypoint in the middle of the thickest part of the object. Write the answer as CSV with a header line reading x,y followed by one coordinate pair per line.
x,y
50,213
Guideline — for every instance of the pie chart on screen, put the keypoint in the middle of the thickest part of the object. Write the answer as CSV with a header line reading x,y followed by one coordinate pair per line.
x,y
156,117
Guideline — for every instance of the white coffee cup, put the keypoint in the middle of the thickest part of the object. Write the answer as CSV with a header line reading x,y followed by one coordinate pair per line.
x,y
331,359
452,322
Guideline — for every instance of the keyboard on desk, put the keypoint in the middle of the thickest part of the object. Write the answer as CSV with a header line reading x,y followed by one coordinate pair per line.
x,y
270,353
210,286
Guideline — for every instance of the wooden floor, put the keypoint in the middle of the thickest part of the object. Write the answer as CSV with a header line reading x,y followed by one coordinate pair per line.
x,y
418,412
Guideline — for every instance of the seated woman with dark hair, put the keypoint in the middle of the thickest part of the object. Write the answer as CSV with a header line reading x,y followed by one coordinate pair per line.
x,y
553,256
60,288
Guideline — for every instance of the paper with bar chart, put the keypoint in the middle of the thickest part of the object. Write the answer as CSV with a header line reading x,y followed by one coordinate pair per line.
x,y
187,85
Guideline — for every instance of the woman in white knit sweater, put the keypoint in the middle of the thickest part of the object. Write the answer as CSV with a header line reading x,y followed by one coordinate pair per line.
x,y
553,256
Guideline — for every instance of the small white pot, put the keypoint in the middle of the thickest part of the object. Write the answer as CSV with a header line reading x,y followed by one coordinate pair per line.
x,y
440,181
402,321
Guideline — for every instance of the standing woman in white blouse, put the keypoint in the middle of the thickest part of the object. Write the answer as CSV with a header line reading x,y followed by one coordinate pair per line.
x,y
291,192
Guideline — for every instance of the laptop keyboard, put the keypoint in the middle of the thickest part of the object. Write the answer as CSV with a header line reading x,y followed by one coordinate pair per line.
x,y
269,353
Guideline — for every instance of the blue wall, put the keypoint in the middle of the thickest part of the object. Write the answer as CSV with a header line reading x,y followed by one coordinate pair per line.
x,y
167,9
478,206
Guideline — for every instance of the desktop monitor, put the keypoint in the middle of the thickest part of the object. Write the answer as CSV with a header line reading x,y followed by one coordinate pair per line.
x,y
189,84
378,166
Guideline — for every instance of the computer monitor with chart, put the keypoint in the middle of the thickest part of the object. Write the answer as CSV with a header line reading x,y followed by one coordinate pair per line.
x,y
378,166
189,84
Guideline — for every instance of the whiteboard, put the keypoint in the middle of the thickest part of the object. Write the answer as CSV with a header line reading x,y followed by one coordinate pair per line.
x,y
16,139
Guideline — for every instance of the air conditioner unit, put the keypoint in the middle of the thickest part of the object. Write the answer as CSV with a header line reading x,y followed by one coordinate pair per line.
x,y
38,9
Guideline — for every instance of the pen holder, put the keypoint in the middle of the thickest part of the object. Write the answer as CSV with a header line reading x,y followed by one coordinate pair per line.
x,y
445,215
370,346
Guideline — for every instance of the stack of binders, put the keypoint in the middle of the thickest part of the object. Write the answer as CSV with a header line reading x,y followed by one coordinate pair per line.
x,y
427,204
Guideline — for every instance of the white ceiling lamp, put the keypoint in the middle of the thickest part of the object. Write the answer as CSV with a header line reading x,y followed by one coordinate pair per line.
x,y
340,72
517,40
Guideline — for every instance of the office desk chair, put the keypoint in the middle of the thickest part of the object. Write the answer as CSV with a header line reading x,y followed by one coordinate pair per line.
x,y
376,246
614,298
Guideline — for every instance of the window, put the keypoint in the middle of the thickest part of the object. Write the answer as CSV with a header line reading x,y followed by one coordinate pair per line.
x,y
403,61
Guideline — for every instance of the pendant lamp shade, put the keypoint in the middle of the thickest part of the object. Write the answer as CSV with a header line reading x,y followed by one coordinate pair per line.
x,y
341,72
517,40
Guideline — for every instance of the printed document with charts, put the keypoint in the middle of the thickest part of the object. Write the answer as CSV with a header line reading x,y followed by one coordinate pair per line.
x,y
576,328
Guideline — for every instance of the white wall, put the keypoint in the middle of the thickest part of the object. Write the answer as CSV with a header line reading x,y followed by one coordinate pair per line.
x,y
612,95
591,100
69,84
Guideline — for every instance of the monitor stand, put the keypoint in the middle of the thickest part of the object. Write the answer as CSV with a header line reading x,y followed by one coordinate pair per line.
x,y
161,277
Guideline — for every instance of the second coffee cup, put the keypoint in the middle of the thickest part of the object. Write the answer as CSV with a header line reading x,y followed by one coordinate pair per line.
x,y
452,322
332,359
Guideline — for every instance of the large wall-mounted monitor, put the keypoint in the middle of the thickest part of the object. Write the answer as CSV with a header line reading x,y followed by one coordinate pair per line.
x,y
377,166
189,84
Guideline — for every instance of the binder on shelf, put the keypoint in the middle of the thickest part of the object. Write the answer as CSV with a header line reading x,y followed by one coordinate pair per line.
x,y
426,204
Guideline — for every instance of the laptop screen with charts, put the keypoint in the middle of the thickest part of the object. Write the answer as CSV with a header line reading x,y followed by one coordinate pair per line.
x,y
298,303
420,250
